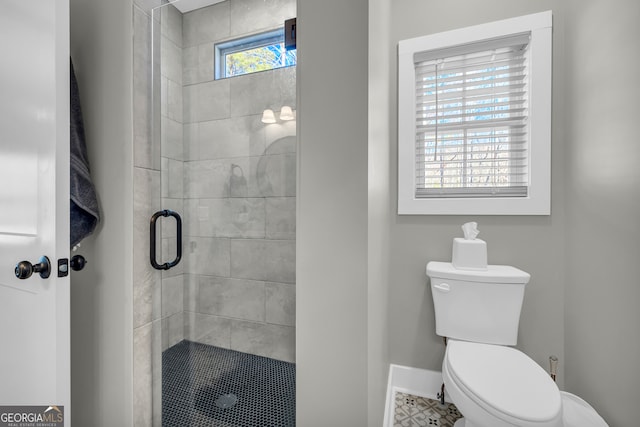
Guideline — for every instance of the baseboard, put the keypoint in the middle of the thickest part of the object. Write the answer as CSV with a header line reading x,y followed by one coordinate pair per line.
x,y
405,379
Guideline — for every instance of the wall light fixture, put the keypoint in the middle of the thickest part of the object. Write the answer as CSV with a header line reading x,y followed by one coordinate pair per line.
x,y
286,113
268,116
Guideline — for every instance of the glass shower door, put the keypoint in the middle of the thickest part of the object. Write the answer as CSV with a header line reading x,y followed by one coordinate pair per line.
x,y
224,119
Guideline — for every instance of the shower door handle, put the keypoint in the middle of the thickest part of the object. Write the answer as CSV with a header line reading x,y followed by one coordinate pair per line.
x,y
152,240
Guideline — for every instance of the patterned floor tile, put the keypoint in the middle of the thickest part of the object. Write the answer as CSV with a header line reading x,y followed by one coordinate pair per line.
x,y
414,411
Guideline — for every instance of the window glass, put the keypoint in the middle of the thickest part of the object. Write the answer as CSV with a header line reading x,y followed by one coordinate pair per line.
x,y
471,123
251,54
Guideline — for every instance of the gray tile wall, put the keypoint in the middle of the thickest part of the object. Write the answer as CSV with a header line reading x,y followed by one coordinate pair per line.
x,y
239,188
212,296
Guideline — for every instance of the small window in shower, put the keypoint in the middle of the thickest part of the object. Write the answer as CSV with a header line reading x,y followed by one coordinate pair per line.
x,y
254,53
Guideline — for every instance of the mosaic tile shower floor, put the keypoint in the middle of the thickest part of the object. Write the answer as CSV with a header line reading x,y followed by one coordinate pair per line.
x,y
203,385
413,411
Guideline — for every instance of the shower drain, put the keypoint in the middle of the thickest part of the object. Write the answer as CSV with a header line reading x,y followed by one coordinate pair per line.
x,y
226,401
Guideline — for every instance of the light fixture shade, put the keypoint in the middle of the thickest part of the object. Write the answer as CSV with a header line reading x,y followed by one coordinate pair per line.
x,y
268,116
286,113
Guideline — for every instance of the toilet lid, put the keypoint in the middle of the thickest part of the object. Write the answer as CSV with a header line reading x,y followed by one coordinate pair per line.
x,y
504,381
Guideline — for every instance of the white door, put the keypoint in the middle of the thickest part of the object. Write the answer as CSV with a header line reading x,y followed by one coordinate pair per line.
x,y
34,201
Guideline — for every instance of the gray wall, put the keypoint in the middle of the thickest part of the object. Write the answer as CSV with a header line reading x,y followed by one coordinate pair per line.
x,y
101,307
331,253
580,303
603,207
379,215
534,244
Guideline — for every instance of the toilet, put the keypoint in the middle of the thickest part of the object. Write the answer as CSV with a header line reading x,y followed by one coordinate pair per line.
x,y
493,385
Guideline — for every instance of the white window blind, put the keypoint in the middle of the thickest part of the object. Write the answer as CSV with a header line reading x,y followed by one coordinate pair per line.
x,y
471,120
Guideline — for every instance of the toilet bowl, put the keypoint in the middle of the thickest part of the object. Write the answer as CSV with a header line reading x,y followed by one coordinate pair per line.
x,y
498,386
576,412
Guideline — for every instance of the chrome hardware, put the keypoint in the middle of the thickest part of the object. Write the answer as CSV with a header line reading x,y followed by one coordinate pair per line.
x,y
553,365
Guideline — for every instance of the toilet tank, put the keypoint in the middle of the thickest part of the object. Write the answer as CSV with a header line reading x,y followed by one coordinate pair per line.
x,y
478,306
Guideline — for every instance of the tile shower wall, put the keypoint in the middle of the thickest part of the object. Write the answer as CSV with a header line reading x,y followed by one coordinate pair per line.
x,y
233,179
172,167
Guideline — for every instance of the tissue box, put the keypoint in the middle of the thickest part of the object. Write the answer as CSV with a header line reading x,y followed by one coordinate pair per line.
x,y
469,254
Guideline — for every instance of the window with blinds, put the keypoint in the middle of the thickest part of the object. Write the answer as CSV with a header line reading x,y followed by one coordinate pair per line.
x,y
474,119
471,137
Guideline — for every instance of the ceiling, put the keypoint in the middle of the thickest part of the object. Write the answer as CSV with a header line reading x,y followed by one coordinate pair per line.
x,y
189,5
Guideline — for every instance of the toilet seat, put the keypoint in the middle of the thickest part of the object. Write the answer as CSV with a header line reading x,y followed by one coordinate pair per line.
x,y
504,382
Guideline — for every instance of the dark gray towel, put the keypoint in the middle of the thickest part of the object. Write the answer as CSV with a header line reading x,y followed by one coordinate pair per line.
x,y
85,213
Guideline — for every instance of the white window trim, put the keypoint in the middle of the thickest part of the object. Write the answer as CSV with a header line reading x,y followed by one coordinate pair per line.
x,y
538,200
